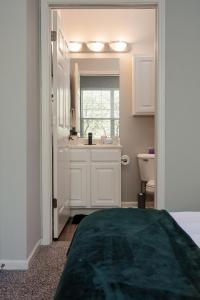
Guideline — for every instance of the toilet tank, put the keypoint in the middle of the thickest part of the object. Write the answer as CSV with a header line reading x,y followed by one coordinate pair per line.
x,y
146,166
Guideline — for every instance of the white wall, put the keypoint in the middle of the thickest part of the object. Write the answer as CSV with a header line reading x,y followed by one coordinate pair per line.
x,y
13,81
182,104
33,126
19,176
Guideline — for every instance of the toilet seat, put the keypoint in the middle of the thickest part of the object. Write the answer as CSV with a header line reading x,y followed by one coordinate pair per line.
x,y
150,186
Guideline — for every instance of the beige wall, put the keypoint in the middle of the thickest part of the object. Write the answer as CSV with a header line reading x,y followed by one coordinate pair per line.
x,y
136,133
135,26
100,65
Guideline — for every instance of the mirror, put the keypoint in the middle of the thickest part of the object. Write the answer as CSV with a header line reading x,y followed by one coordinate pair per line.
x,y
95,95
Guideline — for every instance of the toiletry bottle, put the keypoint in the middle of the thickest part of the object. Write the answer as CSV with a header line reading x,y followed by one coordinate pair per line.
x,y
90,138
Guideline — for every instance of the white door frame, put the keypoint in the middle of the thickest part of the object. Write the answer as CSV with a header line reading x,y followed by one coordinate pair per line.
x,y
46,142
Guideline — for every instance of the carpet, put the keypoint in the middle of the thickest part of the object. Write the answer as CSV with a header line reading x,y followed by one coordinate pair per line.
x,y
39,282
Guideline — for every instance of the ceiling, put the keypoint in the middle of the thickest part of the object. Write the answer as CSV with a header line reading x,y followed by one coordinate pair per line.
x,y
131,25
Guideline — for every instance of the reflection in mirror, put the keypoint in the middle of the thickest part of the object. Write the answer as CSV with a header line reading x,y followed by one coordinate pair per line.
x,y
99,113
97,97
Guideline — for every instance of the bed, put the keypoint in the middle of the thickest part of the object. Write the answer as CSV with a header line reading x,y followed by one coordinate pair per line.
x,y
133,254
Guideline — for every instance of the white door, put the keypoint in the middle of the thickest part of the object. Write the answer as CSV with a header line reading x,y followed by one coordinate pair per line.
x,y
105,184
60,117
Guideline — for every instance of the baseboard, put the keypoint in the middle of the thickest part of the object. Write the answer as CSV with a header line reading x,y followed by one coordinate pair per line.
x,y
13,264
19,264
33,252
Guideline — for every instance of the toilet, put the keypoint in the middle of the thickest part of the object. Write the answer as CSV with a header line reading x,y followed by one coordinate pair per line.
x,y
147,171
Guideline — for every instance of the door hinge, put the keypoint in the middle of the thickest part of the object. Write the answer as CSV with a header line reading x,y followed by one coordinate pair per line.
x,y
55,203
53,36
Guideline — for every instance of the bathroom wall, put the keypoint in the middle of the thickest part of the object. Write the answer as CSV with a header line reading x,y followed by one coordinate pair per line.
x,y
136,133
93,64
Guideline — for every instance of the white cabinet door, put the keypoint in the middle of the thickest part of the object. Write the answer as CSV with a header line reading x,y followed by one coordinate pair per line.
x,y
143,86
105,184
79,184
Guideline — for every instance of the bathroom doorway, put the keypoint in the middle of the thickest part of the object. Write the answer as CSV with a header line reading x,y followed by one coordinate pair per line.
x,y
46,193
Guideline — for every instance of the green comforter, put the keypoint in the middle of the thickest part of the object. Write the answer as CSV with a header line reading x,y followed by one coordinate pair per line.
x,y
131,254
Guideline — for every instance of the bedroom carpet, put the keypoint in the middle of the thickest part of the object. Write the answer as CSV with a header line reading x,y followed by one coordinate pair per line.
x,y
40,281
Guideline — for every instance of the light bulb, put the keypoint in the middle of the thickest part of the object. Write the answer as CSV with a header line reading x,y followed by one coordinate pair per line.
x,y
118,46
74,46
95,46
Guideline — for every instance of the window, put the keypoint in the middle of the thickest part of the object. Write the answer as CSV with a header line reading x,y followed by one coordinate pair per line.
x,y
99,106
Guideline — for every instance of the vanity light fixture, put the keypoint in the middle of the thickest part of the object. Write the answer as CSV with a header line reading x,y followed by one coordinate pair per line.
x,y
95,46
118,46
74,46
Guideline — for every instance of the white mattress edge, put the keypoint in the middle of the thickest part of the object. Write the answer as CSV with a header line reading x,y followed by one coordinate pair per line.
x,y
190,222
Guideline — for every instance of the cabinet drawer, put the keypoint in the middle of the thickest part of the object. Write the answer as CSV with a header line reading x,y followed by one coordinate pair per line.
x,y
78,155
106,155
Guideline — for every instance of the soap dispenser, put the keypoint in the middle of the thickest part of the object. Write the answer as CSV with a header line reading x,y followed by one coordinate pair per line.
x,y
89,138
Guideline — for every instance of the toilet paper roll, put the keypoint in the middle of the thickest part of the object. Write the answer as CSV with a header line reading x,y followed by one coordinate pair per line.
x,y
125,159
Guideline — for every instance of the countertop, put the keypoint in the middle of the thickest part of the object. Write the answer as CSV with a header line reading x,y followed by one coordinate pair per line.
x,y
97,146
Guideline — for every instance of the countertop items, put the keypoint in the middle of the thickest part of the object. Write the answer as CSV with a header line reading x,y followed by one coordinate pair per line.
x,y
104,142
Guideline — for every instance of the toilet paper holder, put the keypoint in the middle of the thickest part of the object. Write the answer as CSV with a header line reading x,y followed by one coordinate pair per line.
x,y
125,160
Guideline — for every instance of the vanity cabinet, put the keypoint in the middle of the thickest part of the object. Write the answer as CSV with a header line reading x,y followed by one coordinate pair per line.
x,y
143,85
95,176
